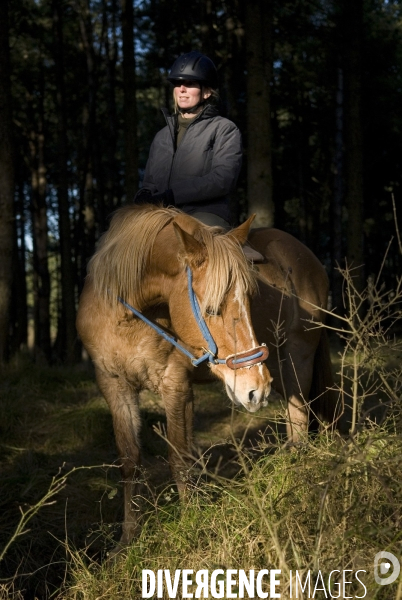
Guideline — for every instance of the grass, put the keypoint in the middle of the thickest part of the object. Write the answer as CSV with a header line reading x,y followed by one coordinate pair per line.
x,y
53,421
331,503
56,435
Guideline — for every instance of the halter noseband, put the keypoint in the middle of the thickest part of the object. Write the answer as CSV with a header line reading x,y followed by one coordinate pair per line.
x,y
236,361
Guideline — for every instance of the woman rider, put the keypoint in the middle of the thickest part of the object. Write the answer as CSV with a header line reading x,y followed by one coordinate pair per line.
x,y
195,160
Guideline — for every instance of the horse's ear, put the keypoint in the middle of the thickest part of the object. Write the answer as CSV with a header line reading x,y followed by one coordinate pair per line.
x,y
241,232
190,248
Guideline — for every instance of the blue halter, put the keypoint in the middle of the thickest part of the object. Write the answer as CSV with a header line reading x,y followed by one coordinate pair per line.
x,y
251,357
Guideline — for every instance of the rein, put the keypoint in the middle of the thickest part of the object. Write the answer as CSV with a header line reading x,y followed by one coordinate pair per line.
x,y
233,361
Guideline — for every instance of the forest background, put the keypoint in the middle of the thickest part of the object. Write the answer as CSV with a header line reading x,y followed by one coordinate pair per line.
x,y
314,86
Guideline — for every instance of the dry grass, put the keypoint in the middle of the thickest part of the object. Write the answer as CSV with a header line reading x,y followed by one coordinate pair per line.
x,y
333,502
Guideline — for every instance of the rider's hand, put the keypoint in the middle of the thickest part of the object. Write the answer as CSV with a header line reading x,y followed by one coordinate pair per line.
x,y
166,198
143,196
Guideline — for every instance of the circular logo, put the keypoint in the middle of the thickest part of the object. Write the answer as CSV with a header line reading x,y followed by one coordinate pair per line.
x,y
383,561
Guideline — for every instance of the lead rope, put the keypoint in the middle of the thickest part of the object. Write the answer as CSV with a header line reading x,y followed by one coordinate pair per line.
x,y
232,361
210,353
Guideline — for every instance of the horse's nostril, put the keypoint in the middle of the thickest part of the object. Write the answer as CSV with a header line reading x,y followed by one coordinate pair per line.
x,y
251,396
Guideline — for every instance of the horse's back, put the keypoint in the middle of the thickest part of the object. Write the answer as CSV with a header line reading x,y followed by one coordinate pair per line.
x,y
291,267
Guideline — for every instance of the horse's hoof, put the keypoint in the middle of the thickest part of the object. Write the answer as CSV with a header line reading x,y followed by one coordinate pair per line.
x,y
117,554
295,445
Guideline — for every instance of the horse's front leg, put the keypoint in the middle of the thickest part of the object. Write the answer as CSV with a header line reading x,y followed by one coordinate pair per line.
x,y
177,395
123,404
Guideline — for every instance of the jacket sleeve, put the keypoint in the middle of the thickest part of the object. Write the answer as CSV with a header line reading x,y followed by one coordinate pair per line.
x,y
148,182
158,167
221,177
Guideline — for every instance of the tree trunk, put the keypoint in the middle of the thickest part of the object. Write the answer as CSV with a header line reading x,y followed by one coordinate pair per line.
x,y
130,102
6,183
259,71
207,28
67,321
232,85
85,231
353,31
112,197
337,202
40,239
19,308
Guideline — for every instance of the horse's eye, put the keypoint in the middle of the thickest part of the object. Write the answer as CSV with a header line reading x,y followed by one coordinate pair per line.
x,y
212,313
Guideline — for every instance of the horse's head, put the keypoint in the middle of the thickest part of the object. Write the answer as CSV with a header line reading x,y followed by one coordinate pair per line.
x,y
214,273
153,255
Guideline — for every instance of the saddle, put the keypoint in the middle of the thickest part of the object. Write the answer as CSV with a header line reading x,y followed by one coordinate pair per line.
x,y
213,220
252,255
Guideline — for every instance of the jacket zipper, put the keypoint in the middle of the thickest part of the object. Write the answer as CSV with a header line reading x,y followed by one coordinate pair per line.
x,y
166,115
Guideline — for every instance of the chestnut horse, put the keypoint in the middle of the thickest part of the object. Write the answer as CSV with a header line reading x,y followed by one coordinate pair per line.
x,y
165,293
191,284
288,313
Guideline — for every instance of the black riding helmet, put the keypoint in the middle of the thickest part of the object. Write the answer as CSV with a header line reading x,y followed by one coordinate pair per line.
x,y
194,66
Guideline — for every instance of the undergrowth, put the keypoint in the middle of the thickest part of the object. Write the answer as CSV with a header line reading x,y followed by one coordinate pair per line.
x,y
330,503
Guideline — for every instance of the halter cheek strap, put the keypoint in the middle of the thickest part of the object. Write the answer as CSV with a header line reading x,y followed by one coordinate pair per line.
x,y
234,361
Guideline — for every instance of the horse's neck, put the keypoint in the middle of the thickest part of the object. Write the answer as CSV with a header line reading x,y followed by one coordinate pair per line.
x,y
158,288
163,268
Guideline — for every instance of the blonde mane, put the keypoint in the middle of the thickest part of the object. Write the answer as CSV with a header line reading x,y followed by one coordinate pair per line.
x,y
227,266
118,266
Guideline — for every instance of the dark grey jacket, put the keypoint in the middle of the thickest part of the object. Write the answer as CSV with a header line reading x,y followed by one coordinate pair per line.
x,y
203,170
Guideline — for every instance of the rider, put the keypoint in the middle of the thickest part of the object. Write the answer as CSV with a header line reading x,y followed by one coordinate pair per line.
x,y
195,160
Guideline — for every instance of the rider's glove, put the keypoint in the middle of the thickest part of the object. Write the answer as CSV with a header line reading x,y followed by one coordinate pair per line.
x,y
166,198
143,196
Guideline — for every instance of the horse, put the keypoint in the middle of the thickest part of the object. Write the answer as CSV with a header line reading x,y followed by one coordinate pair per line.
x,y
289,313
166,295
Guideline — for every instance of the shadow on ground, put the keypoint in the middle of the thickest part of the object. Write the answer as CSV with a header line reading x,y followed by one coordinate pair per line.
x,y
51,425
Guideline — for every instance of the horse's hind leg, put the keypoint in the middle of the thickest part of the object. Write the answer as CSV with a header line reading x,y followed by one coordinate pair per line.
x,y
123,404
297,371
297,421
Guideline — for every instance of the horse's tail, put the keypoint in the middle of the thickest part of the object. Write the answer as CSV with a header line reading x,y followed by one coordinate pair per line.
x,y
326,404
